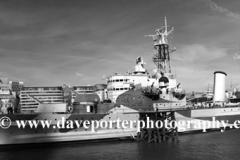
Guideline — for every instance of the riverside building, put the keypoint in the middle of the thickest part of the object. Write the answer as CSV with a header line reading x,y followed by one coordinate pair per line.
x,y
88,89
53,94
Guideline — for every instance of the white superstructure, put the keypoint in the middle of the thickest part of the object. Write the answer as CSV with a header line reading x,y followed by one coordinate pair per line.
x,y
120,83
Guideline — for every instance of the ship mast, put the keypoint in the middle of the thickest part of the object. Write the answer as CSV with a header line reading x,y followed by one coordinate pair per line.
x,y
161,56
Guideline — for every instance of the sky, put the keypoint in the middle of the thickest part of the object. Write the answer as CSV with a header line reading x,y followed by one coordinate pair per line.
x,y
77,42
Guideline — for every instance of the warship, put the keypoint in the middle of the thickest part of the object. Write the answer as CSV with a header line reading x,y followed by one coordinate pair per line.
x,y
129,95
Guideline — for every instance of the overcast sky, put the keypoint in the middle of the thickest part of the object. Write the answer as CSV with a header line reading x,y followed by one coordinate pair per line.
x,y
51,42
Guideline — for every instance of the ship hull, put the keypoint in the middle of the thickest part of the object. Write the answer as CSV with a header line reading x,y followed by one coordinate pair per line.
x,y
63,132
14,135
208,118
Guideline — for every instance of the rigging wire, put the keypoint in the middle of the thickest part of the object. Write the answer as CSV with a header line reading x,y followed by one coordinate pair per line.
x,y
170,44
201,75
194,72
195,66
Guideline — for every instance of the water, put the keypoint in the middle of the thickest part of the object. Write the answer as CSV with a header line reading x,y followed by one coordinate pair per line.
x,y
210,145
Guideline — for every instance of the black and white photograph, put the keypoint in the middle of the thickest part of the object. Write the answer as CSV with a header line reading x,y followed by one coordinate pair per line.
x,y
119,79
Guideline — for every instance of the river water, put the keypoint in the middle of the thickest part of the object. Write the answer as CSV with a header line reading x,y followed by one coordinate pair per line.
x,y
210,145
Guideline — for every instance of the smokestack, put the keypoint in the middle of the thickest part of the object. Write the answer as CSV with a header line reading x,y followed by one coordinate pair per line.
x,y
219,86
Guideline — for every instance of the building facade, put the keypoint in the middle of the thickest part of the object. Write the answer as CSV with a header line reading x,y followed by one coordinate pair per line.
x,y
31,96
4,86
16,86
101,91
52,94
82,90
7,96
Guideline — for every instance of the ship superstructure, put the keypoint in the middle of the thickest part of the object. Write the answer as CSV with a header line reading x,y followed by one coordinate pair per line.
x,y
161,55
162,79
161,58
120,83
163,91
